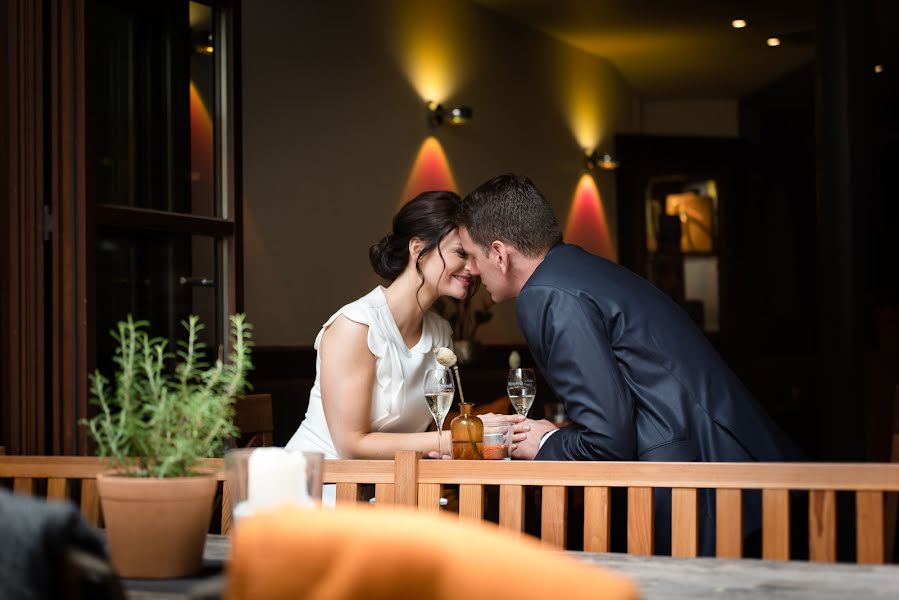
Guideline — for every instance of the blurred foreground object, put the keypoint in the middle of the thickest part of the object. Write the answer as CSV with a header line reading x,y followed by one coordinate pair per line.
x,y
361,552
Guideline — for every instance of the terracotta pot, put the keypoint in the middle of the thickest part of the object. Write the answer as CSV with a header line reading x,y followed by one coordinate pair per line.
x,y
156,528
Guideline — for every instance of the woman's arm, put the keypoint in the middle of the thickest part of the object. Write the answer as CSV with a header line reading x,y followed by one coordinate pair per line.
x,y
347,380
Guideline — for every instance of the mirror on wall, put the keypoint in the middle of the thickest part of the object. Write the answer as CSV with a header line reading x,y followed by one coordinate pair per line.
x,y
682,244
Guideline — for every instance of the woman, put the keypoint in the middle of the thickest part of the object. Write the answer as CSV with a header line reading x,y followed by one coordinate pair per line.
x,y
367,400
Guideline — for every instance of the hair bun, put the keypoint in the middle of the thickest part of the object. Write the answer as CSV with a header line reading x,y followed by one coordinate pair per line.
x,y
382,258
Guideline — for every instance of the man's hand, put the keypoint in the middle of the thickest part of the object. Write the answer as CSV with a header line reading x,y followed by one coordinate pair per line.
x,y
527,448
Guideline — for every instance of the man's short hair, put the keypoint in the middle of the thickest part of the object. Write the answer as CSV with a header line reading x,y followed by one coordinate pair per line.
x,y
511,209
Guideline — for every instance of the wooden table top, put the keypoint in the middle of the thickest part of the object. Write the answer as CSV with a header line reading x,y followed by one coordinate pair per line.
x,y
659,578
666,578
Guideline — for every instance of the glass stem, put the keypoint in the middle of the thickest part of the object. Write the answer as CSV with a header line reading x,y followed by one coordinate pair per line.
x,y
439,442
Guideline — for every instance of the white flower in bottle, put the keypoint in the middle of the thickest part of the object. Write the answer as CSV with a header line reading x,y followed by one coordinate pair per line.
x,y
445,357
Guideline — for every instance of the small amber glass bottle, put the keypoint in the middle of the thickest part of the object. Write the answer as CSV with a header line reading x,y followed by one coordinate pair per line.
x,y
467,432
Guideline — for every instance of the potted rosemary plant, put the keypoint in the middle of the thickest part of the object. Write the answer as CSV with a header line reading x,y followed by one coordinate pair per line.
x,y
156,422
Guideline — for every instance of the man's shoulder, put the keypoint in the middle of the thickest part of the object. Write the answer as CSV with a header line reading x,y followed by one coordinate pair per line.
x,y
565,268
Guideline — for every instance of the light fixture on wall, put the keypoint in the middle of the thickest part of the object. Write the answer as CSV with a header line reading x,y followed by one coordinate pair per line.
x,y
439,114
593,160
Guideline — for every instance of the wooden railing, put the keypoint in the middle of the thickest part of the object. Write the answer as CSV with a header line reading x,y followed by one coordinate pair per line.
x,y
420,482
410,481
59,477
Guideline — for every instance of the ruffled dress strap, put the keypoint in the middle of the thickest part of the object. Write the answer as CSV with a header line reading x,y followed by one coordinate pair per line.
x,y
370,310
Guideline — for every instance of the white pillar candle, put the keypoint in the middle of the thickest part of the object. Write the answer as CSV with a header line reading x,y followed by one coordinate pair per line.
x,y
276,476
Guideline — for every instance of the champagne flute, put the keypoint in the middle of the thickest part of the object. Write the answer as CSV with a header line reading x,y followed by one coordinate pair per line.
x,y
439,390
522,387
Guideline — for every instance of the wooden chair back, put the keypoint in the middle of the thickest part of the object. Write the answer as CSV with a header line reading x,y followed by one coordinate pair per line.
x,y
411,481
253,417
72,478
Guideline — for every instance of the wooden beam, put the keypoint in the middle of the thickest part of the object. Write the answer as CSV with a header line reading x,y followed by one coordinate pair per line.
x,y
776,524
597,519
869,527
511,507
684,522
822,526
554,516
728,523
639,520
471,502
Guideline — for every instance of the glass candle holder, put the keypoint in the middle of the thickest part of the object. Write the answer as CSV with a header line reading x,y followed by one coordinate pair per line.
x,y
260,479
498,441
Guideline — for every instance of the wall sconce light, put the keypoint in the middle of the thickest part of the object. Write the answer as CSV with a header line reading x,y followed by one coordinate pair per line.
x,y
593,160
202,42
438,115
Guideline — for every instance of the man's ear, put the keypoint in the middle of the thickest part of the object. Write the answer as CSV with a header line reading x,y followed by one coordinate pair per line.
x,y
502,255
415,247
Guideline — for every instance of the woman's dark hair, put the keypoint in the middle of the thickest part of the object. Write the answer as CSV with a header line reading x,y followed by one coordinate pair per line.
x,y
430,217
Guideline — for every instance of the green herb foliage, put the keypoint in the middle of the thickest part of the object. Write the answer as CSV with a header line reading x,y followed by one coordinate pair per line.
x,y
155,423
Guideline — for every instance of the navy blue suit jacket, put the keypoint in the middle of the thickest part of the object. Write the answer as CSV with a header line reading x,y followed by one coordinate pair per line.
x,y
639,380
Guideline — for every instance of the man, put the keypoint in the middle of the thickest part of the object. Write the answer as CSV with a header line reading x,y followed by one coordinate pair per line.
x,y
639,380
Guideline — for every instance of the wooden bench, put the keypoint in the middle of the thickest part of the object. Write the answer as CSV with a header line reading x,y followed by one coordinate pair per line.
x,y
410,481
59,477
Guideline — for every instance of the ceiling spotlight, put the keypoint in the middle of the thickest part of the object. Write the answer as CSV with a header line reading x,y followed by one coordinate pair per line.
x,y
438,115
738,23
593,160
878,68
773,41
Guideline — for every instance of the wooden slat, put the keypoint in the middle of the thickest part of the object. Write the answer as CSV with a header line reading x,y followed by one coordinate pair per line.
x,y
776,524
471,501
405,478
869,527
684,522
23,486
58,488
729,523
822,526
347,493
429,497
511,507
90,501
384,494
639,520
85,467
784,476
226,509
358,471
810,476
597,519
554,516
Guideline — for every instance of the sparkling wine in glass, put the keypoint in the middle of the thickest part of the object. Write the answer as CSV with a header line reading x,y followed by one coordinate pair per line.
x,y
439,390
522,387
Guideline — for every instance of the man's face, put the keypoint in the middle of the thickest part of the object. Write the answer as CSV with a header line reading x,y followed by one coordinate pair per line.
x,y
486,266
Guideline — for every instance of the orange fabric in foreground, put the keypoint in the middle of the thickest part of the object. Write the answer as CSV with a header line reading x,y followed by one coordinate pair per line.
x,y
369,553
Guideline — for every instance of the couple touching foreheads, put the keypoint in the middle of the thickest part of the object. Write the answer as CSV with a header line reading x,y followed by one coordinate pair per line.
x,y
638,379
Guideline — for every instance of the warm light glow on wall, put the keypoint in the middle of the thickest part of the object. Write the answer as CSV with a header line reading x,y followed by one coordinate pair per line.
x,y
201,149
582,100
431,42
587,225
431,171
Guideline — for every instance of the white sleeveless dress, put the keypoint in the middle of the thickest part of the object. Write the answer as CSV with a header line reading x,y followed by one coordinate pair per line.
x,y
397,398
